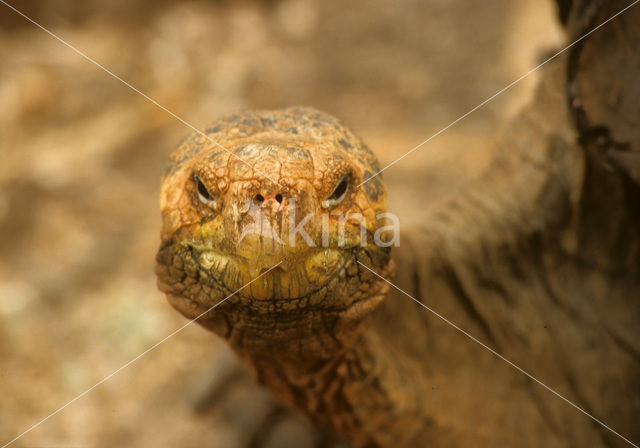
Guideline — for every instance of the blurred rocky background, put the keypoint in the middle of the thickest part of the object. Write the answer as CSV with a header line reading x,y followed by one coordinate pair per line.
x,y
81,157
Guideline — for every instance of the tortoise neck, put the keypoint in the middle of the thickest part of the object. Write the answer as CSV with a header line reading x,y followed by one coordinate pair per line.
x,y
347,390
344,379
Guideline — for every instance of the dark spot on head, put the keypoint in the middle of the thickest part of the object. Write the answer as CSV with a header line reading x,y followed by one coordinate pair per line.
x,y
214,156
297,153
267,122
344,144
293,130
213,129
185,156
372,190
372,187
250,122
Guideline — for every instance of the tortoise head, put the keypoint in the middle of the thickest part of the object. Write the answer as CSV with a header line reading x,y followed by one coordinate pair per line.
x,y
265,213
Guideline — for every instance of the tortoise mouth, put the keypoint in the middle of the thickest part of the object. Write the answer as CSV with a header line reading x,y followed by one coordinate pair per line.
x,y
312,296
320,284
291,278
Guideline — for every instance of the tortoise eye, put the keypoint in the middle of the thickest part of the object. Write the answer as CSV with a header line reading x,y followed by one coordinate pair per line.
x,y
203,193
339,192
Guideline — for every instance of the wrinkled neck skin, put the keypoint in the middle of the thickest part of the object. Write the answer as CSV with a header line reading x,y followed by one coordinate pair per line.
x,y
332,366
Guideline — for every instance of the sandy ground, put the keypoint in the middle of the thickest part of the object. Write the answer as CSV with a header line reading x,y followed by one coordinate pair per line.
x,y
81,157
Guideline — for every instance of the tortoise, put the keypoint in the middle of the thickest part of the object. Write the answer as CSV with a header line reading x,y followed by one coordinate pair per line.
x,y
272,239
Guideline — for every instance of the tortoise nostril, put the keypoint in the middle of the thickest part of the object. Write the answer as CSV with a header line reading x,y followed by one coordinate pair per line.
x,y
259,198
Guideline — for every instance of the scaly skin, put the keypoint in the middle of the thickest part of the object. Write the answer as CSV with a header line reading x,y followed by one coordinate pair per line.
x,y
298,325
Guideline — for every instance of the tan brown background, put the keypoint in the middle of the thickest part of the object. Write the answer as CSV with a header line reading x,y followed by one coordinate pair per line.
x,y
81,157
